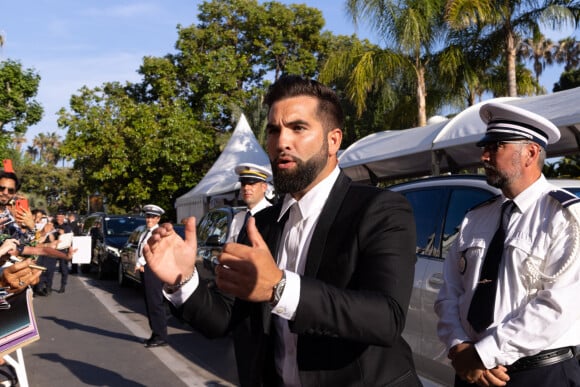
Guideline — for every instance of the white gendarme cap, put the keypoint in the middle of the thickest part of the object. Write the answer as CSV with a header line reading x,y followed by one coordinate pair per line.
x,y
152,209
252,173
506,122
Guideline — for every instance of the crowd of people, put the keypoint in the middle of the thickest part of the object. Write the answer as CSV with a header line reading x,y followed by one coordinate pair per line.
x,y
314,289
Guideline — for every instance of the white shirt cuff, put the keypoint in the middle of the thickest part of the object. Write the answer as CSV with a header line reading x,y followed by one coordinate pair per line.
x,y
181,295
286,307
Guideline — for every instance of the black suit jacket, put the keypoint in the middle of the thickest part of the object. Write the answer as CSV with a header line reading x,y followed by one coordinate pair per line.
x,y
353,302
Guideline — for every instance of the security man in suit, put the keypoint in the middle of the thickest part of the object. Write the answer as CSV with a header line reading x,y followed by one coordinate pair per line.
x,y
153,286
254,185
508,309
318,294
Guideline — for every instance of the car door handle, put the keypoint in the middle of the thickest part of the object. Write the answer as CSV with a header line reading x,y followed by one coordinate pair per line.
x,y
436,280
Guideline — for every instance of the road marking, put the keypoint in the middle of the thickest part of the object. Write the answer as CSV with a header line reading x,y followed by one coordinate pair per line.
x,y
188,372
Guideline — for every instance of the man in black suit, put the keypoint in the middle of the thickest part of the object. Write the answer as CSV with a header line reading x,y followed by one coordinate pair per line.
x,y
318,295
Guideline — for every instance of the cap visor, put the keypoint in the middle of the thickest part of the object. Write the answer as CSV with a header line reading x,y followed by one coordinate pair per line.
x,y
250,180
495,137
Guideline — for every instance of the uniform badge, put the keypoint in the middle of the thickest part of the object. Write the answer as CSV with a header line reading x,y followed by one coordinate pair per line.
x,y
462,264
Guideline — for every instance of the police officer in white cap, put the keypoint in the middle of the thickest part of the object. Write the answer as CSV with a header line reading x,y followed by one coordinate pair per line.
x,y
508,306
254,185
153,286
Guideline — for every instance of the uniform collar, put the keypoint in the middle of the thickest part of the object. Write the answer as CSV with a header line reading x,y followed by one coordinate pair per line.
x,y
532,194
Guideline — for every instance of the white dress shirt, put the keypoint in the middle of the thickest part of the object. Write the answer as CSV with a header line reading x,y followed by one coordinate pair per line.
x,y
531,313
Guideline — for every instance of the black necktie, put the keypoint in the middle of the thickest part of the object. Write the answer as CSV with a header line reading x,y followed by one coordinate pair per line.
x,y
481,309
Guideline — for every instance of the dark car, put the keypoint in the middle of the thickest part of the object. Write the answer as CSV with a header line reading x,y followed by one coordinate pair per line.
x,y
128,255
109,233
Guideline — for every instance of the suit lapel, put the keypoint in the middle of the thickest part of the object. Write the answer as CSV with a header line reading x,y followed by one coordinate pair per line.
x,y
325,221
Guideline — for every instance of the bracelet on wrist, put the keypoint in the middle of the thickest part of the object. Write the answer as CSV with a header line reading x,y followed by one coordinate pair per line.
x,y
173,288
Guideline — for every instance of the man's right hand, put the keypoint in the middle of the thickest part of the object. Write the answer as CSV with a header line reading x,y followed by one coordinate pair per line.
x,y
171,258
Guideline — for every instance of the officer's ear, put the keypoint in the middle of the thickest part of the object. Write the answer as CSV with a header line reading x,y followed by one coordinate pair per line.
x,y
532,153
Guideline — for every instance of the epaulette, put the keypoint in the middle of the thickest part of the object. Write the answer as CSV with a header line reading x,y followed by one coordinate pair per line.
x,y
485,203
565,198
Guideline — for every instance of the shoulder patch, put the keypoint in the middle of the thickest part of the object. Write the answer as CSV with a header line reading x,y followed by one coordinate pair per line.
x,y
565,198
485,203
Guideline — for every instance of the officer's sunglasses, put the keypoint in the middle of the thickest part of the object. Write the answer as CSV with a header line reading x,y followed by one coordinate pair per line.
x,y
493,147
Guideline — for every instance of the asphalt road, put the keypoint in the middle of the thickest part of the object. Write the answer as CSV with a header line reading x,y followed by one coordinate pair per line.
x,y
92,336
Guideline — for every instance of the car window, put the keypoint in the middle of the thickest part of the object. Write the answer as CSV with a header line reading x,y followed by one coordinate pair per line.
x,y
214,224
428,208
123,225
88,224
460,201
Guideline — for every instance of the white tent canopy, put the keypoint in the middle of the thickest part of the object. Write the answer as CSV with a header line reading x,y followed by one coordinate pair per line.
x,y
450,145
221,179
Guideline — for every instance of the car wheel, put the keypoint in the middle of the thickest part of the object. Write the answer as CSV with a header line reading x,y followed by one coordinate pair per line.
x,y
121,279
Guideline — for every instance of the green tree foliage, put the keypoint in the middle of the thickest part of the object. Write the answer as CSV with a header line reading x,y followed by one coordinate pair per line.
x,y
18,108
134,152
568,80
223,61
50,188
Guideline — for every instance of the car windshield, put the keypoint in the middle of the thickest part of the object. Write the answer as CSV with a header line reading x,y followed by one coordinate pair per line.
x,y
123,226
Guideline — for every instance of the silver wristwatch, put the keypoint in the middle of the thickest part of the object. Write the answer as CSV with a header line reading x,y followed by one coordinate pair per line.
x,y
278,290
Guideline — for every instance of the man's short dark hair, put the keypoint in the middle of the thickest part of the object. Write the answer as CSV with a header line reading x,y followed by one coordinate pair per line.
x,y
12,176
289,86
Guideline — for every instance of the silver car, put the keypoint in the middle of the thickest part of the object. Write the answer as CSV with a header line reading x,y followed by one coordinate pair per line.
x,y
439,204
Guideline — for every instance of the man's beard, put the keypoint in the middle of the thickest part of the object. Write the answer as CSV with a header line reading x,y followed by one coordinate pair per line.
x,y
296,180
496,178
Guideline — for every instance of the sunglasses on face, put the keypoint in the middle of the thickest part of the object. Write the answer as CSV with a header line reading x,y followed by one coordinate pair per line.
x,y
493,147
11,190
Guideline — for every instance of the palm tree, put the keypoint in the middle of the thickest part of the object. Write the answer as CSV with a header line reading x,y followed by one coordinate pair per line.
x,y
41,142
52,150
32,151
540,50
568,52
18,140
510,19
411,29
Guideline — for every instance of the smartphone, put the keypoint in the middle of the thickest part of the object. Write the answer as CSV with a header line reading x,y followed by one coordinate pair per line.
x,y
22,204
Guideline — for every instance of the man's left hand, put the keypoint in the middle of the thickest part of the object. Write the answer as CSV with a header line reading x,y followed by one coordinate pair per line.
x,y
248,272
469,367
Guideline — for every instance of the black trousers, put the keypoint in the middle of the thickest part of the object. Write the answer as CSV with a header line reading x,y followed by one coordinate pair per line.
x,y
566,373
155,303
63,268
47,275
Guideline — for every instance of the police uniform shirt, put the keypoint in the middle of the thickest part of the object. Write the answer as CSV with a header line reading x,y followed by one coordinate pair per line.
x,y
142,241
531,315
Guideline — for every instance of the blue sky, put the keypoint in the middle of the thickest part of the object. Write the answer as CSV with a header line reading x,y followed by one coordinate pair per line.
x,y
72,43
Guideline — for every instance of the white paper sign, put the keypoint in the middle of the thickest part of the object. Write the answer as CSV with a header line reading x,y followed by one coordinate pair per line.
x,y
64,241
82,245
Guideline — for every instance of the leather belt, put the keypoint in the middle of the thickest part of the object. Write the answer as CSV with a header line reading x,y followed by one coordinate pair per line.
x,y
542,359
